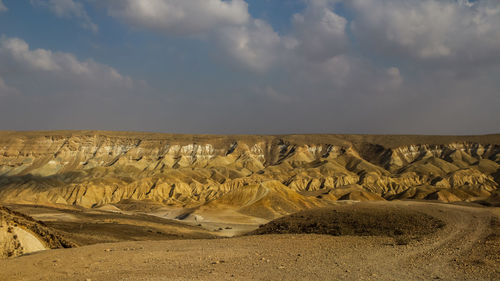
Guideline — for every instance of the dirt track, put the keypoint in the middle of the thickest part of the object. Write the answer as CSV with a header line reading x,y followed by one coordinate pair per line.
x,y
467,248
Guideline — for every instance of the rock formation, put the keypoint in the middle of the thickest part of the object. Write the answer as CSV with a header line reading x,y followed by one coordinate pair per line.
x,y
274,174
21,234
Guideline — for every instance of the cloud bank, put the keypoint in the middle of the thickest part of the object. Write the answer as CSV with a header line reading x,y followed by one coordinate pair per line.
x,y
358,66
445,31
40,88
17,60
178,16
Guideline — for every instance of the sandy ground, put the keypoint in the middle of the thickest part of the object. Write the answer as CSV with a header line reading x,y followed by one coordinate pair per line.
x,y
93,226
221,222
467,248
29,241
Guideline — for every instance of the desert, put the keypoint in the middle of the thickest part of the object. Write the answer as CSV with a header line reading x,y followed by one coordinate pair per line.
x,y
85,205
249,140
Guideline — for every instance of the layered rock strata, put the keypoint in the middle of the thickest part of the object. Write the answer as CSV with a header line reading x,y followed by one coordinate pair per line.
x,y
92,169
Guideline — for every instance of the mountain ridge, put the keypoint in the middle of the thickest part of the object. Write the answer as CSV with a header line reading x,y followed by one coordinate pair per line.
x,y
95,168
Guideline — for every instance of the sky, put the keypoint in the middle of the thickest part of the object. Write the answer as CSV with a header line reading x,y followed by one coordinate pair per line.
x,y
251,66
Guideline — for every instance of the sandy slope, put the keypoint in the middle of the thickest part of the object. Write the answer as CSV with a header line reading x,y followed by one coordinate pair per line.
x,y
93,226
30,242
21,234
467,248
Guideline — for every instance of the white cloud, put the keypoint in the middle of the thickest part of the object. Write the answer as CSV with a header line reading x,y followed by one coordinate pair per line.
x,y
317,41
315,74
317,68
320,31
255,45
18,51
447,30
317,34
59,73
69,9
43,89
180,16
246,41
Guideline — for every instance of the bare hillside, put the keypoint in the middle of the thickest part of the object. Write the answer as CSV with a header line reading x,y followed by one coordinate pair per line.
x,y
21,234
262,176
467,247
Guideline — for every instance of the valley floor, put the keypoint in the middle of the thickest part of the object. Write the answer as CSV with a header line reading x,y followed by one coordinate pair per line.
x,y
467,248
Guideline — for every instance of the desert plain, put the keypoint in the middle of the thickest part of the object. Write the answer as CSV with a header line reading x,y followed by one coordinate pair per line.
x,y
94,205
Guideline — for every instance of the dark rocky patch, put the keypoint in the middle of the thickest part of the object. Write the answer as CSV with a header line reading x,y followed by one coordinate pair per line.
x,y
357,219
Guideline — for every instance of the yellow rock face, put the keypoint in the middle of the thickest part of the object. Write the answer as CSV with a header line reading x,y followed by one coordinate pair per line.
x,y
274,174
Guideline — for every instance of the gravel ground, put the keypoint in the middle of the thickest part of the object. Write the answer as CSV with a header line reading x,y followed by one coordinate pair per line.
x,y
466,248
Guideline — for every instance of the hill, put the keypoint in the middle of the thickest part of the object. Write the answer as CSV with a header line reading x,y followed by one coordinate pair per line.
x,y
265,176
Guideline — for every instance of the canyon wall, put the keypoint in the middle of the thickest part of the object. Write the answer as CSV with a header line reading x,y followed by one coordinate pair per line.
x,y
90,169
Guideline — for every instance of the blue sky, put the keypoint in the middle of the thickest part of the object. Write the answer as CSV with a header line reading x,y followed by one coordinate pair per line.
x,y
116,40
256,67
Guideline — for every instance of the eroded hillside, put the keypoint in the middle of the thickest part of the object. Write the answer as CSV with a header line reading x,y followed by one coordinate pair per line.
x,y
21,234
264,175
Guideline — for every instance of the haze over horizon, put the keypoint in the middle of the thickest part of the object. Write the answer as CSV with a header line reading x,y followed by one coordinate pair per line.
x,y
251,67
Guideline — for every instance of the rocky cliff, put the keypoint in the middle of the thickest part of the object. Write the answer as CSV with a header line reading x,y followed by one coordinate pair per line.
x,y
90,169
